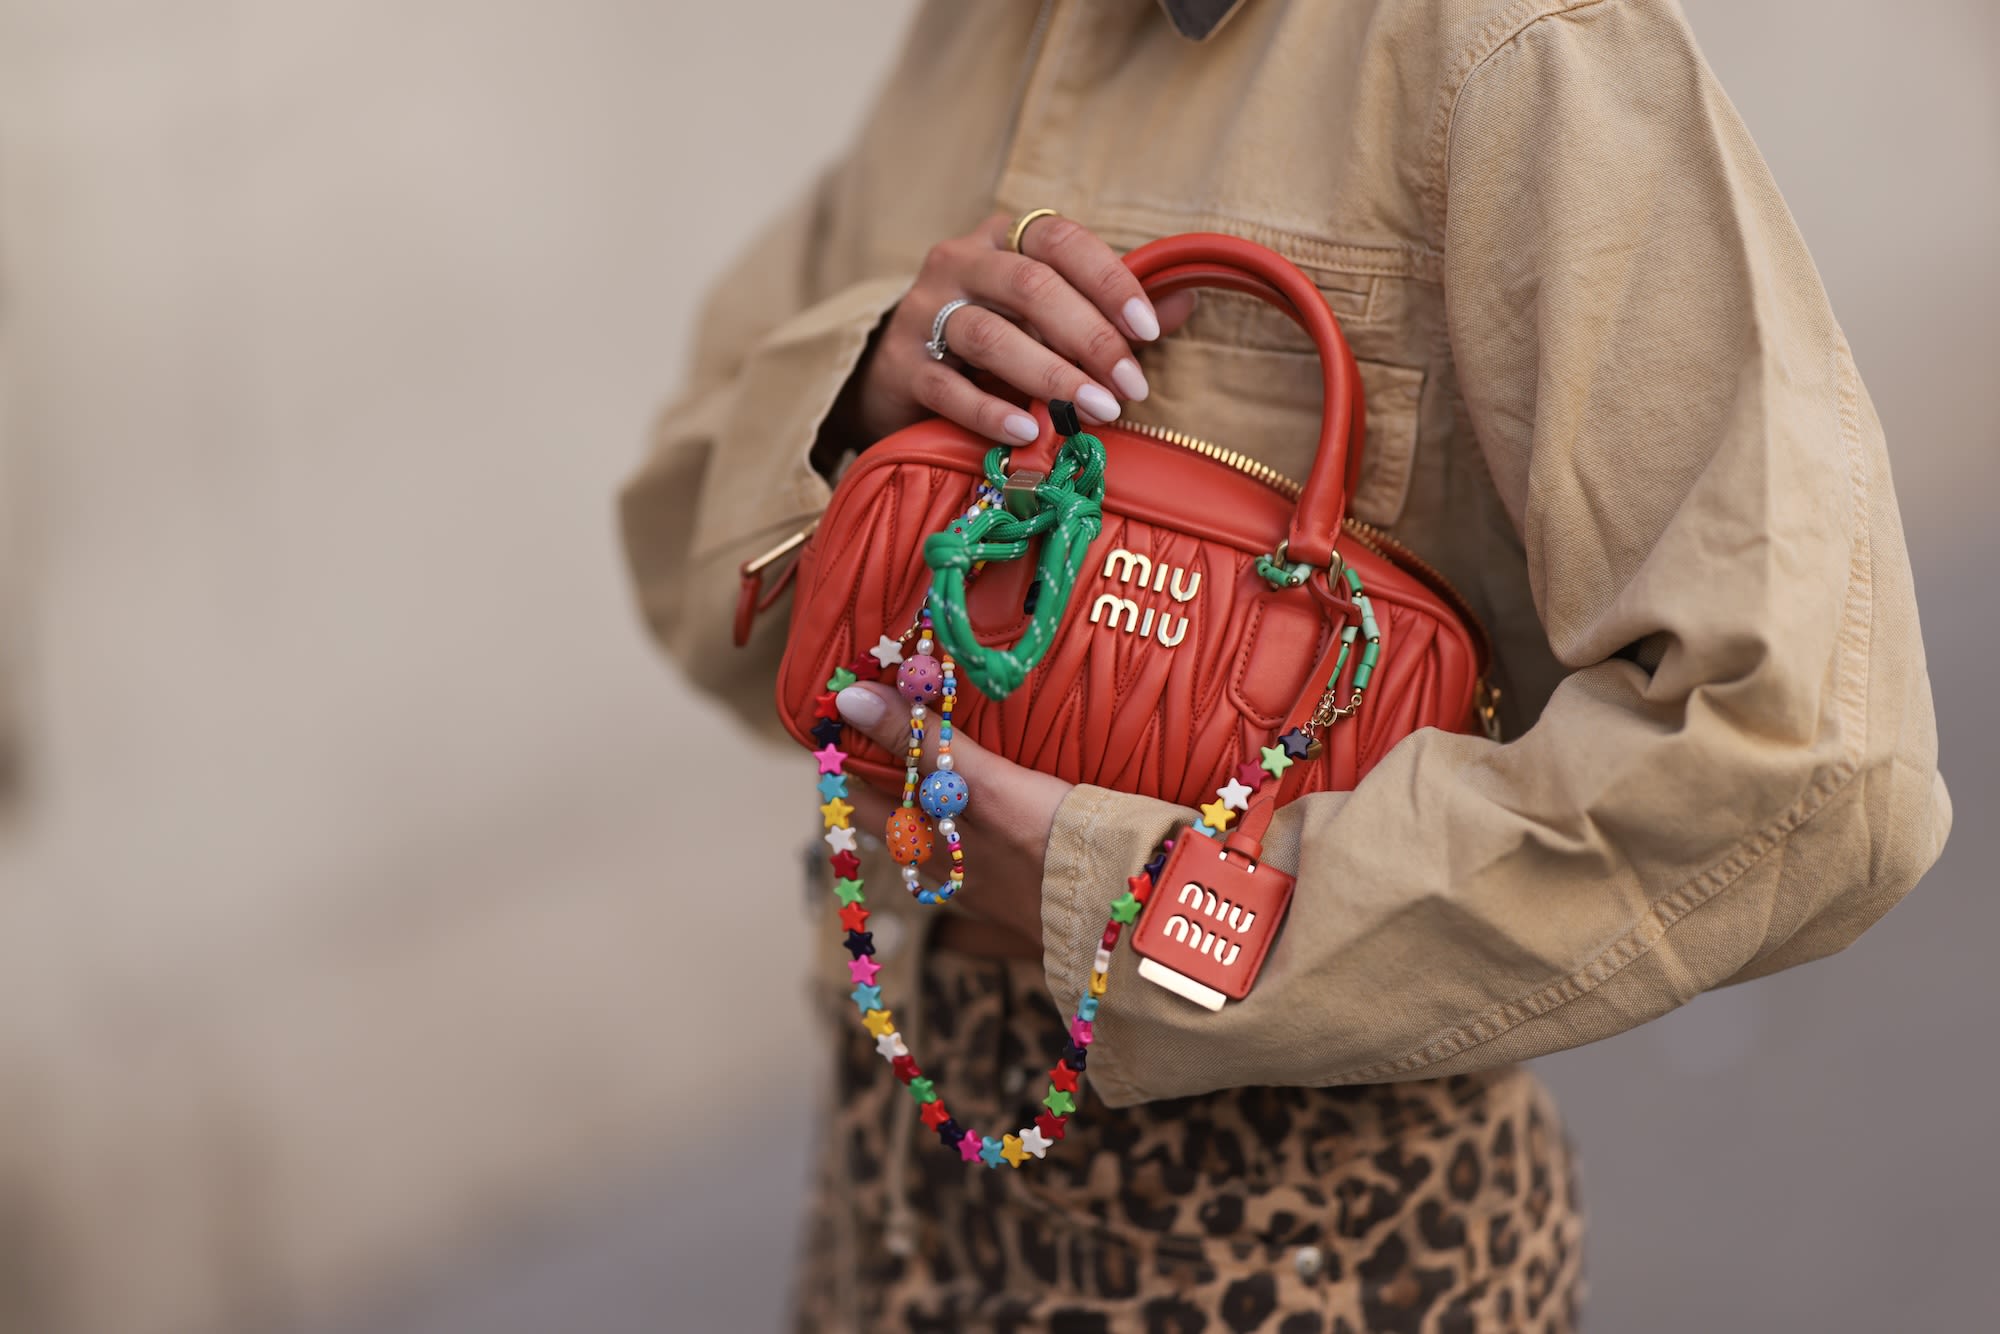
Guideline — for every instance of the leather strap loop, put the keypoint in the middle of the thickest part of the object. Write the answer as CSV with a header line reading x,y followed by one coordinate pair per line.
x,y
1210,259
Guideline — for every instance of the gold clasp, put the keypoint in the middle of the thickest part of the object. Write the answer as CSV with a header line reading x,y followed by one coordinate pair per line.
x,y
1486,698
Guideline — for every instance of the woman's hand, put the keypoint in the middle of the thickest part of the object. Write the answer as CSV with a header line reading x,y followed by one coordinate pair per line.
x,y
1056,321
1005,826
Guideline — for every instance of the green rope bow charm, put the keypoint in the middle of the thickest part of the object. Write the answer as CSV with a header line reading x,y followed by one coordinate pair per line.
x,y
1064,509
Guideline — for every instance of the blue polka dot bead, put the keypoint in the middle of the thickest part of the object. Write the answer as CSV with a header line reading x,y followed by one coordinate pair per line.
x,y
943,795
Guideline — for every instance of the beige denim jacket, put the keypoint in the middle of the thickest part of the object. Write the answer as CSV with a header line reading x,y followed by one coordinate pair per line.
x,y
1606,395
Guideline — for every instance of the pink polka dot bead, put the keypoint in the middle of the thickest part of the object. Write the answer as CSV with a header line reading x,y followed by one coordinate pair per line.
x,y
920,679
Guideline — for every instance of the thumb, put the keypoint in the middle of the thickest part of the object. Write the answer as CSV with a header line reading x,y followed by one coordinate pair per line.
x,y
878,712
881,712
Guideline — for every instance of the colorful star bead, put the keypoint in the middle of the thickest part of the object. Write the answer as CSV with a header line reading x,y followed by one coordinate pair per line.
x,y
1139,886
841,839
989,1151
1034,1141
923,1090
1217,815
847,889
1098,982
934,1114
905,1067
832,785
890,1045
846,864
950,1133
860,942
1201,827
826,731
970,1145
943,794
824,706
1011,1150
866,998
1051,1126
1296,744
1062,1077
886,651
835,813
1059,1102
1235,794
863,970
1076,1056
840,680
830,758
1080,1029
1276,761
1250,775
879,1022
854,917
1125,908
1086,1009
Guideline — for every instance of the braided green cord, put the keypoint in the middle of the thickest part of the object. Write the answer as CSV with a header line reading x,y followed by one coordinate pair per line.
x,y
1068,516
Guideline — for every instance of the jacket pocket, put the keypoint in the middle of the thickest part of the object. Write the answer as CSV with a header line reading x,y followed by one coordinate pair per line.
x,y
1243,376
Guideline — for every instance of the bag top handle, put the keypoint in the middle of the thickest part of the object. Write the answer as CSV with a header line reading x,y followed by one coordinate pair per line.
x,y
1211,259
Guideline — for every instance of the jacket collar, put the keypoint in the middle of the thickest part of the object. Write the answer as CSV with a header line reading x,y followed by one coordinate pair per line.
x,y
1197,20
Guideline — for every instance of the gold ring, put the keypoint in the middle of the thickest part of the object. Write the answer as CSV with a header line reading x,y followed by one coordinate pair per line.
x,y
1022,223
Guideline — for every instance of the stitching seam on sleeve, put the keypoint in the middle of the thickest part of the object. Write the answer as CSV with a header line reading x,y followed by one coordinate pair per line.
x,y
1502,29
1850,697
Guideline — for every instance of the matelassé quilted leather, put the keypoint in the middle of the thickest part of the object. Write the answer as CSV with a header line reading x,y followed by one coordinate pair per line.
x,y
1175,660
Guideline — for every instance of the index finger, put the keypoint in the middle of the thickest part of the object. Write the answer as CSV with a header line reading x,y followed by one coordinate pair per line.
x,y
1094,269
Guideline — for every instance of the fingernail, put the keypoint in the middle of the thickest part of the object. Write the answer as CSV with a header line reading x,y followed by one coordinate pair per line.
x,y
1022,427
1140,319
1097,403
1131,381
859,706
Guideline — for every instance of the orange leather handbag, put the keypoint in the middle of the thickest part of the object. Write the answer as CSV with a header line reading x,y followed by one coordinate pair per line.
x,y
1176,659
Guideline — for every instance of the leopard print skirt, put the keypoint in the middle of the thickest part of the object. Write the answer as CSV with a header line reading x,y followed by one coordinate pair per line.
x,y
1439,1205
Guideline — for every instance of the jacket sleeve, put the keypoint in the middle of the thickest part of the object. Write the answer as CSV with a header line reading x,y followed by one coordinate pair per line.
x,y
1739,772
729,471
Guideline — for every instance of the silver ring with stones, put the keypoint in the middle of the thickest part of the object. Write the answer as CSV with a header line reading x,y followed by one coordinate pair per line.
x,y
936,347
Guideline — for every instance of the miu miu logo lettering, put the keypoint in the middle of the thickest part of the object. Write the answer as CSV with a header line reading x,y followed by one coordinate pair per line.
x,y
1129,567
1199,938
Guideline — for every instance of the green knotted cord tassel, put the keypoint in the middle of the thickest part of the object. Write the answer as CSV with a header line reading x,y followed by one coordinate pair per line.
x,y
1068,516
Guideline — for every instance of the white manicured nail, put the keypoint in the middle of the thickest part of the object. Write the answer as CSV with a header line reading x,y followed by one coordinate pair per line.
x,y
1022,427
859,706
1097,403
1140,319
1131,381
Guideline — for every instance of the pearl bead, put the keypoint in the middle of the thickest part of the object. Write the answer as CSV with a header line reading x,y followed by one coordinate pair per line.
x,y
910,875
917,712
947,827
944,762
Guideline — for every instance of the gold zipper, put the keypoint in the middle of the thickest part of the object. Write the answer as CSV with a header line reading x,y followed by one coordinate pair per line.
x,y
1367,534
1370,536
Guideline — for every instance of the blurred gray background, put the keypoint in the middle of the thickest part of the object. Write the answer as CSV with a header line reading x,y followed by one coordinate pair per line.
x,y
347,860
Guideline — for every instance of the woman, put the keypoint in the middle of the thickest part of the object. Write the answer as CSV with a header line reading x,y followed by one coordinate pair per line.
x,y
1606,396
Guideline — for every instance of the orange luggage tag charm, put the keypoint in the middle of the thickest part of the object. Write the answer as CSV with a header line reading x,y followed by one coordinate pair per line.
x,y
1211,918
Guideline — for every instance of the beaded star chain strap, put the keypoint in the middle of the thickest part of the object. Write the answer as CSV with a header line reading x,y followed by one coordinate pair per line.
x,y
1059,1103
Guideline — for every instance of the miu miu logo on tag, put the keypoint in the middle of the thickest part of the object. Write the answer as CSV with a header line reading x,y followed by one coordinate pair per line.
x,y
1129,567
1199,938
